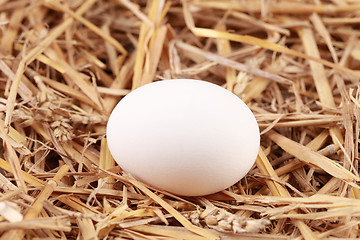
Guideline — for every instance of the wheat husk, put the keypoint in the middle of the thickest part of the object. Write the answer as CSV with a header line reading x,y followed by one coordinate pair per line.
x,y
64,65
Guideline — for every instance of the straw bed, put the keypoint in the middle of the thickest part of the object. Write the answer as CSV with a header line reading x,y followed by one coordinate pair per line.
x,y
65,64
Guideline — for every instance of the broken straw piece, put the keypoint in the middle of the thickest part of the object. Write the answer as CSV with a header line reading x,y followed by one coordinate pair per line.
x,y
10,211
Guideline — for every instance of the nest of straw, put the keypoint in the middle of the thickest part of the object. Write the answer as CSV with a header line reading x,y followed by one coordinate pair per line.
x,y
65,64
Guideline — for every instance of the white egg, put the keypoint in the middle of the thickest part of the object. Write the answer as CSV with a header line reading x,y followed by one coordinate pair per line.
x,y
184,136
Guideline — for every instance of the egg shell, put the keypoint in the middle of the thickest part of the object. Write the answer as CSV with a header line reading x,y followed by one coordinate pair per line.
x,y
187,137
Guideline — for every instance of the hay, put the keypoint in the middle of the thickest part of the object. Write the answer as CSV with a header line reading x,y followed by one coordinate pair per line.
x,y
65,64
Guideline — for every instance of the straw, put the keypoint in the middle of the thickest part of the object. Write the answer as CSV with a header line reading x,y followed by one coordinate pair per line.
x,y
64,65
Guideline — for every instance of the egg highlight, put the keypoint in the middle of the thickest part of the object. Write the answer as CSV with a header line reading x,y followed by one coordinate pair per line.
x,y
184,136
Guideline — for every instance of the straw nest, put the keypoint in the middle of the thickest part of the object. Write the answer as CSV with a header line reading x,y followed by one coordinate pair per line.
x,y
65,64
